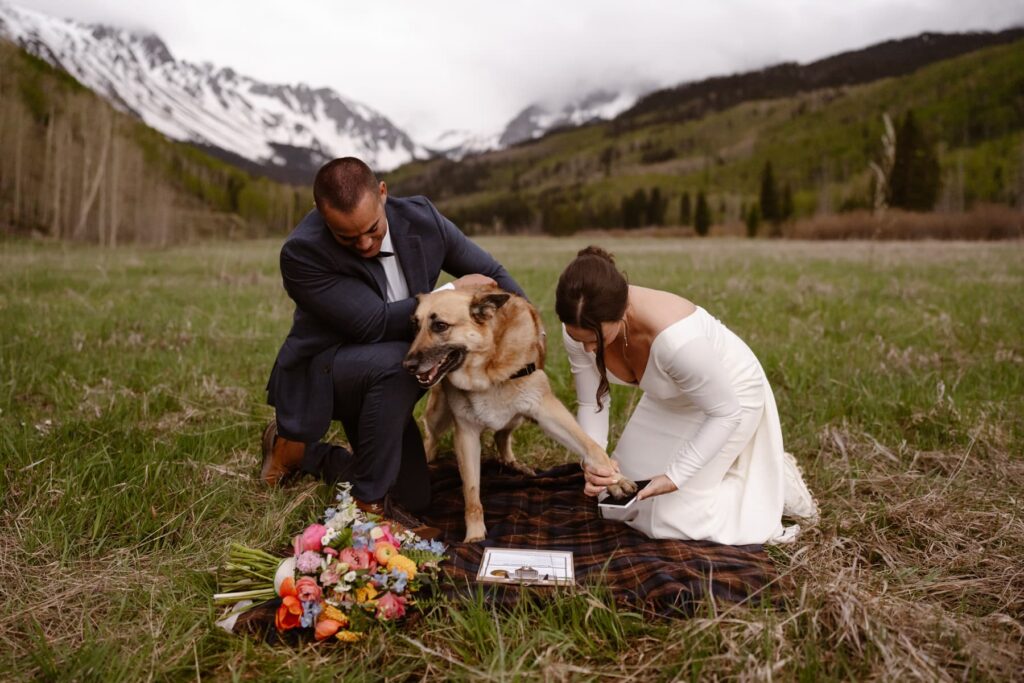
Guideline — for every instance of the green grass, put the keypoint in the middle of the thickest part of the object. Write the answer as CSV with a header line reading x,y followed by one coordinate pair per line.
x,y
131,402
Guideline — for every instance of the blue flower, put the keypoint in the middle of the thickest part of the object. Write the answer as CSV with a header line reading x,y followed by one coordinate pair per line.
x,y
329,514
359,542
401,579
380,579
363,527
432,546
310,611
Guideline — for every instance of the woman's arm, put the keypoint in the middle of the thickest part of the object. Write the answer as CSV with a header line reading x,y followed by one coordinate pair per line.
x,y
697,370
586,380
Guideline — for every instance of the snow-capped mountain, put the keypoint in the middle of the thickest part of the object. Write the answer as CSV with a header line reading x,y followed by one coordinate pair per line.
x,y
533,122
272,125
457,144
536,120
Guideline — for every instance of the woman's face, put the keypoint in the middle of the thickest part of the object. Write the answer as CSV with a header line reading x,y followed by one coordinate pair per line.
x,y
588,338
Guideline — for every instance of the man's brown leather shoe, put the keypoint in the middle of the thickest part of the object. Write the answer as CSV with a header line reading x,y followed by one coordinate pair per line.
x,y
399,517
281,456
372,508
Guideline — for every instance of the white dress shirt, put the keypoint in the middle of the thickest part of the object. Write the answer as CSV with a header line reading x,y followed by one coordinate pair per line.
x,y
398,288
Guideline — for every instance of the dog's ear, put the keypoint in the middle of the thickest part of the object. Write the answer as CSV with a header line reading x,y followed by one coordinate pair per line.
x,y
483,306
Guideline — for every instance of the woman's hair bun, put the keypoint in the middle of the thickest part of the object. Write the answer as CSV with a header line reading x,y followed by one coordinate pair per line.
x,y
598,252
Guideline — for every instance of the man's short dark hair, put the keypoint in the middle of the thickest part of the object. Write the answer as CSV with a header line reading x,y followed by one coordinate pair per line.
x,y
341,184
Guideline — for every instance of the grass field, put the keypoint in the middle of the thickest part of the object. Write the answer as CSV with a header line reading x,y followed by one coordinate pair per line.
x,y
131,402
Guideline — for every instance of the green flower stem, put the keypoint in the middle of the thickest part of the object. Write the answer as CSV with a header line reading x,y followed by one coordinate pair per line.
x,y
256,595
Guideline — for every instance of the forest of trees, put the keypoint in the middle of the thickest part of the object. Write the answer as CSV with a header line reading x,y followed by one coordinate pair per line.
x,y
71,167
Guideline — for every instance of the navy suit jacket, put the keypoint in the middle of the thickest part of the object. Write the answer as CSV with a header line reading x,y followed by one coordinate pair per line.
x,y
341,299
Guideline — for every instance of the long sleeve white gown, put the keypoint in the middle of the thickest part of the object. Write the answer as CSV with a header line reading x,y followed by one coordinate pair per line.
x,y
707,419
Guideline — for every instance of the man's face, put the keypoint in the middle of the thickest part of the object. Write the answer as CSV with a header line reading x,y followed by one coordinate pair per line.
x,y
363,229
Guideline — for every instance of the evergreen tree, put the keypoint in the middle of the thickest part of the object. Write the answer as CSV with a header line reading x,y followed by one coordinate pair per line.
x,y
702,215
634,209
914,182
753,220
685,212
656,206
786,208
608,155
769,195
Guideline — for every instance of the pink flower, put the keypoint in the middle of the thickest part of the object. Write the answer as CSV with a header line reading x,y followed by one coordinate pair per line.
x,y
308,562
331,575
331,551
358,559
311,537
383,532
308,590
390,606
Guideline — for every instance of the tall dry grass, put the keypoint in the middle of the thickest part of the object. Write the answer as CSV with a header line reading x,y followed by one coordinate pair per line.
x,y
984,222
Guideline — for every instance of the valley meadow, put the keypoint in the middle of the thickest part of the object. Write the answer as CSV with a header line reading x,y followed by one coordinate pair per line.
x,y
132,400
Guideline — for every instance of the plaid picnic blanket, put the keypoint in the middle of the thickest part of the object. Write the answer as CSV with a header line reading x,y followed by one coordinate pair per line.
x,y
550,512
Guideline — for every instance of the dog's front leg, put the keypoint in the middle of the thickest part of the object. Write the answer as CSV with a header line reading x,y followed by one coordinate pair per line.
x,y
467,452
558,423
437,419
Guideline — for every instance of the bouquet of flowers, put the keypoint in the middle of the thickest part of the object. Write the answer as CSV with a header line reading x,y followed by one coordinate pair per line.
x,y
344,575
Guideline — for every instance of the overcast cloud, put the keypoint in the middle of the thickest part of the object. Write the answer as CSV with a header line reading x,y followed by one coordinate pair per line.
x,y
434,66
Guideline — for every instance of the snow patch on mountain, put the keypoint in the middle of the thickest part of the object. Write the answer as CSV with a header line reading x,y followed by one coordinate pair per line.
x,y
207,105
458,144
537,119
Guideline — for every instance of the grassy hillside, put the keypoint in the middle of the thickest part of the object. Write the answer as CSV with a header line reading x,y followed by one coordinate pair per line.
x,y
133,400
72,167
820,143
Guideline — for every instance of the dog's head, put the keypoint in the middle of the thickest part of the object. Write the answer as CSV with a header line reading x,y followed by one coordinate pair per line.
x,y
451,325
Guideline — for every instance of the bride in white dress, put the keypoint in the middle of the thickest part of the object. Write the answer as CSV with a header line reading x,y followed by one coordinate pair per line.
x,y
706,431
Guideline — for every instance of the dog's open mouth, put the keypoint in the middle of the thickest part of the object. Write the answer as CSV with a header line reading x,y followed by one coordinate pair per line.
x,y
450,361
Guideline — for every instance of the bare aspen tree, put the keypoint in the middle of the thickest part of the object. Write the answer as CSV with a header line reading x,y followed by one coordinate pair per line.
x,y
19,138
883,168
89,196
48,160
114,190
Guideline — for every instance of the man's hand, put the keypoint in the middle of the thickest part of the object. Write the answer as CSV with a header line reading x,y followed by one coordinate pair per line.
x,y
473,281
659,485
599,478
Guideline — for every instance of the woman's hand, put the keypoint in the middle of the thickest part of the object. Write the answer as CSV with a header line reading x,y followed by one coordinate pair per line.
x,y
657,486
599,478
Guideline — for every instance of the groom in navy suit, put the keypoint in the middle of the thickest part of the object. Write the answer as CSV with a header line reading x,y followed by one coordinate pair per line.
x,y
353,266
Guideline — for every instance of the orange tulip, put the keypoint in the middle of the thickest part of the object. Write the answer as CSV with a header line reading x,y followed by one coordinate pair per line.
x,y
287,588
288,614
325,628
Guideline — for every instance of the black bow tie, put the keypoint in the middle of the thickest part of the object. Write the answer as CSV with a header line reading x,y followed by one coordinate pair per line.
x,y
385,254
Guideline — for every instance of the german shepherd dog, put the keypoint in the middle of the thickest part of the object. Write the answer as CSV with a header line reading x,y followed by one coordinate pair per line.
x,y
482,352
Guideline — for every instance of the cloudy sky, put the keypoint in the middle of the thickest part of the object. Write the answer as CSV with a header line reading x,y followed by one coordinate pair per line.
x,y
461,64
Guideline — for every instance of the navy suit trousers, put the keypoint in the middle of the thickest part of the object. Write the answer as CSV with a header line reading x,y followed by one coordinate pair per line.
x,y
374,398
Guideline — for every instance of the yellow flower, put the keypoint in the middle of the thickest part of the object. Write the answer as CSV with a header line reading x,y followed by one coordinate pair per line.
x,y
403,564
348,636
332,612
366,593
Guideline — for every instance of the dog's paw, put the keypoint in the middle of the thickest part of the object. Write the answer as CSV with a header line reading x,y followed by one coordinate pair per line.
x,y
475,535
623,488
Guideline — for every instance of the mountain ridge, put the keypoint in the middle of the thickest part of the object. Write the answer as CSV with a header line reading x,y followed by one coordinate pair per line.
x,y
214,107
887,59
820,142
